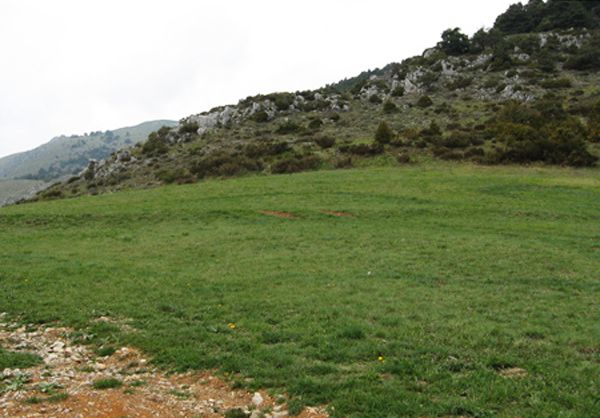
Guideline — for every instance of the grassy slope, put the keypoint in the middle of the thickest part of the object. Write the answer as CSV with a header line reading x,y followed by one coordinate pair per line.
x,y
12,190
474,269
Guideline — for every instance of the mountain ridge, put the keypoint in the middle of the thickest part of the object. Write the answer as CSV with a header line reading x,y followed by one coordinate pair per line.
x,y
501,96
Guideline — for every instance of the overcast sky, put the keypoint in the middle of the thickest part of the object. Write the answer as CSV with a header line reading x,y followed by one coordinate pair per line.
x,y
74,66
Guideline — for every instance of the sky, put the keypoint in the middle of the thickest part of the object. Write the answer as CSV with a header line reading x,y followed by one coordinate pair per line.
x,y
73,66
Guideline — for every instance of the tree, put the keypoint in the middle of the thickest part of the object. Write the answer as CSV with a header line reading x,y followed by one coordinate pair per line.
x,y
454,42
384,133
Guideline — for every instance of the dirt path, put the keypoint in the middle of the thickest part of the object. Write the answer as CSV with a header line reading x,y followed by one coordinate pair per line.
x,y
66,384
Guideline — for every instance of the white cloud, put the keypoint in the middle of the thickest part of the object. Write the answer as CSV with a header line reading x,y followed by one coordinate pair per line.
x,y
72,66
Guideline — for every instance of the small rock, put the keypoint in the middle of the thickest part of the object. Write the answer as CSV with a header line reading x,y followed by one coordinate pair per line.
x,y
257,399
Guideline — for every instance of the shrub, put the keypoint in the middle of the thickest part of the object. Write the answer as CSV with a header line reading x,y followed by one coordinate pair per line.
x,y
325,141
594,123
403,158
342,162
459,83
224,164
186,128
456,140
107,384
424,102
454,42
169,176
263,149
261,116
557,83
282,101
288,127
375,99
296,164
384,134
334,117
363,149
550,141
398,91
315,124
389,107
155,145
587,58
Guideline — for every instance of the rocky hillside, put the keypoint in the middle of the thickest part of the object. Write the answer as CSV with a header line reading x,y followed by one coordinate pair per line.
x,y
68,155
526,91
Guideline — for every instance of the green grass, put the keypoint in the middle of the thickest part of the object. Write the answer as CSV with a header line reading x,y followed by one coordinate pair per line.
x,y
110,383
15,360
450,273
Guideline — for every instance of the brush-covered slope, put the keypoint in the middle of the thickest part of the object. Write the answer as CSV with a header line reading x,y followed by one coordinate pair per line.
x,y
68,155
526,91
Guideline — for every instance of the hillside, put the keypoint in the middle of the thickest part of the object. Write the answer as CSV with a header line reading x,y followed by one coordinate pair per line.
x,y
68,155
441,289
14,190
525,92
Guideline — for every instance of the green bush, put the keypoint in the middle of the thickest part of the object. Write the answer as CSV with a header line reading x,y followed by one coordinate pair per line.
x,y
186,128
325,141
587,58
288,127
398,91
389,107
282,101
459,83
424,102
155,145
261,116
172,175
557,83
263,149
315,124
384,134
375,99
224,164
363,149
296,163
454,42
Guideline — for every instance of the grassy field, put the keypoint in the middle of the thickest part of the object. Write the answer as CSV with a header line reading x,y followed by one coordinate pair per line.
x,y
451,290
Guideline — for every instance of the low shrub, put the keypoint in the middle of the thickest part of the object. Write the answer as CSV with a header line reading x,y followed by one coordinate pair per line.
x,y
172,175
325,141
557,83
459,83
282,101
398,91
375,99
364,149
155,145
263,149
261,116
389,107
384,134
288,127
186,128
296,163
224,164
424,102
315,124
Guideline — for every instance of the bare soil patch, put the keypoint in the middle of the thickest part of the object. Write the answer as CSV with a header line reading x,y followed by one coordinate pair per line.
x,y
338,214
63,385
278,214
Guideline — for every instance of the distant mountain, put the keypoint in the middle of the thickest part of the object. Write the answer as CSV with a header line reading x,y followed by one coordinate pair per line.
x,y
68,155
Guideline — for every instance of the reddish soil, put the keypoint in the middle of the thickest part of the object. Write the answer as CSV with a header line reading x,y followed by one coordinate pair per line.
x,y
338,214
278,214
